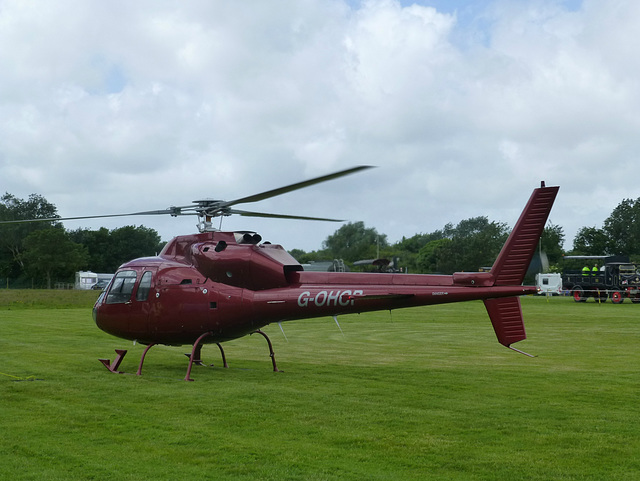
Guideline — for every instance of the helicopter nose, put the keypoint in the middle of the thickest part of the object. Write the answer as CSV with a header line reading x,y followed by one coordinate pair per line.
x,y
94,311
109,324
98,319
104,322
96,307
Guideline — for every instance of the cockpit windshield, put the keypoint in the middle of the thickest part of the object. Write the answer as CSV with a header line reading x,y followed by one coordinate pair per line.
x,y
121,287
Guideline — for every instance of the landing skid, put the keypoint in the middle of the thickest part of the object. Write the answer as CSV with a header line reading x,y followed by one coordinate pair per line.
x,y
195,357
113,366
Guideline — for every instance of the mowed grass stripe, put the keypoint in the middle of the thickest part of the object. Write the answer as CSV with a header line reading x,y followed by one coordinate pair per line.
x,y
425,393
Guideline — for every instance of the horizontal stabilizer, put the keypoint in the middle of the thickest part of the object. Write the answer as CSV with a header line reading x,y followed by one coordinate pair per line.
x,y
506,316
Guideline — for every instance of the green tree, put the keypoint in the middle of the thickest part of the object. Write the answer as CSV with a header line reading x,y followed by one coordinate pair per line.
x,y
12,236
408,249
431,256
622,228
130,242
109,249
590,241
304,257
98,244
416,242
472,244
50,254
476,243
354,241
551,243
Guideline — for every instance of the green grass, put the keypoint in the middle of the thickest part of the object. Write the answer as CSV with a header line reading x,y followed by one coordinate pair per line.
x,y
426,393
46,299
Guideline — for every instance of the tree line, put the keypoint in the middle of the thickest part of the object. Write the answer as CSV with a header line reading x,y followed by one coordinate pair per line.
x,y
468,246
41,253
619,234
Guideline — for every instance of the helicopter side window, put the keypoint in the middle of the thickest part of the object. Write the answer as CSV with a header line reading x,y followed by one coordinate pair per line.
x,y
121,287
144,287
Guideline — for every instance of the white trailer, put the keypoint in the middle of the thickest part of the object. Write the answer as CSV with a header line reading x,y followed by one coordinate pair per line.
x,y
85,280
549,284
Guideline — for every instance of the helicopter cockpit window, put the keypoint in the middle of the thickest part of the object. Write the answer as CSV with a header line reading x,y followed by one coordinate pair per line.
x,y
144,287
121,287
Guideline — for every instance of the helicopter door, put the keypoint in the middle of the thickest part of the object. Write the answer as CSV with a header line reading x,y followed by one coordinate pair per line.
x,y
124,311
141,303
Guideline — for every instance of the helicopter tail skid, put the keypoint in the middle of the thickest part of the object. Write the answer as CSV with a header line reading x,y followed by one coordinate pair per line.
x,y
512,263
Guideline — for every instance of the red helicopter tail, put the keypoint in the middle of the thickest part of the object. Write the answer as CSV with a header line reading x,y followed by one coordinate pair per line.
x,y
506,317
512,263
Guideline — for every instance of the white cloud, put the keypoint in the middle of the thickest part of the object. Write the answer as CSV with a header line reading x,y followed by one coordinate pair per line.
x,y
121,106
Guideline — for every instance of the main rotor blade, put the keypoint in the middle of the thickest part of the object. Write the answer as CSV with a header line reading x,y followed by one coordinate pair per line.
x,y
217,208
59,219
280,216
299,185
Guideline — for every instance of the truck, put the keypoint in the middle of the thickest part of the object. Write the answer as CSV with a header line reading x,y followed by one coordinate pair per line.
x,y
615,278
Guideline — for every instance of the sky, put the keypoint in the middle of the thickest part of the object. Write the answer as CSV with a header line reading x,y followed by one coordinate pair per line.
x,y
463,106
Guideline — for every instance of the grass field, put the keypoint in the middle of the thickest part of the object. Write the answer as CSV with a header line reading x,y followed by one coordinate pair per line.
x,y
426,393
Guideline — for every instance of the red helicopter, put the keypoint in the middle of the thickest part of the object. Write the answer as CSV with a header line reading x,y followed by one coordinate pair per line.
x,y
216,286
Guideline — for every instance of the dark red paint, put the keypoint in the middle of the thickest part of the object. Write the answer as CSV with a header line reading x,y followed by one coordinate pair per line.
x,y
219,286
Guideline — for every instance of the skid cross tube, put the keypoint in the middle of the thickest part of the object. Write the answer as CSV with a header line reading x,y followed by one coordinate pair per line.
x,y
144,353
224,358
198,356
196,347
271,354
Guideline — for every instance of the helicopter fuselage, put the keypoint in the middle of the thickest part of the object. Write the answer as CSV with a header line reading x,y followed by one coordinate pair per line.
x,y
228,285
218,286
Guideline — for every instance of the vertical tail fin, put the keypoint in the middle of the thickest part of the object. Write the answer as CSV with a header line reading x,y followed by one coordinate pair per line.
x,y
516,254
512,263
506,317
